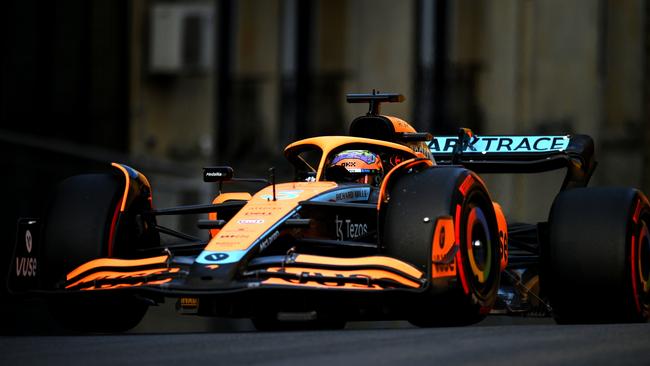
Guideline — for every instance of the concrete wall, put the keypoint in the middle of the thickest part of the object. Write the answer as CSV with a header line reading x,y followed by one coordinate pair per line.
x,y
515,67
556,66
379,52
171,114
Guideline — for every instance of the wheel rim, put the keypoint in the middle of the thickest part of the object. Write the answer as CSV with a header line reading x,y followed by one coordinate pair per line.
x,y
640,268
479,245
643,255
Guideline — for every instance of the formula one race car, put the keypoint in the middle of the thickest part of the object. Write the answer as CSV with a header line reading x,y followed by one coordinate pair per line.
x,y
387,223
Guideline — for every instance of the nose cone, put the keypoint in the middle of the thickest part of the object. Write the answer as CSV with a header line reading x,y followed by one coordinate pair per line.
x,y
212,276
211,257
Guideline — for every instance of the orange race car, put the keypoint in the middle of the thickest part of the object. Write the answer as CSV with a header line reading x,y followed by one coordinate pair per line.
x,y
387,223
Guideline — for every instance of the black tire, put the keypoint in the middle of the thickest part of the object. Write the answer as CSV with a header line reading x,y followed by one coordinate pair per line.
x,y
597,263
440,192
77,229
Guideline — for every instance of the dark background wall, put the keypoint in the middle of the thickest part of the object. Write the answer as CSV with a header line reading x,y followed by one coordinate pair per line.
x,y
64,94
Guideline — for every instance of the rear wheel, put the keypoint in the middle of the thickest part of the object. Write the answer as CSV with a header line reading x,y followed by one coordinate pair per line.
x,y
81,225
597,263
466,292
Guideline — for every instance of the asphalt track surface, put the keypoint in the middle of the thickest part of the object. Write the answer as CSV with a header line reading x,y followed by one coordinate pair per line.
x,y
184,341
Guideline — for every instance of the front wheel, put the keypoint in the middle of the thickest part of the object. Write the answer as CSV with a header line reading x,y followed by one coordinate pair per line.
x,y
464,289
83,224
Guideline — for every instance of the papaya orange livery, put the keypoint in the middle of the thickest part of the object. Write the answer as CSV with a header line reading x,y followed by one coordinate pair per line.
x,y
263,212
443,249
385,223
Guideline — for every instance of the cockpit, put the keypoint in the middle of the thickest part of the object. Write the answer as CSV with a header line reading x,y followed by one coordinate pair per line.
x,y
330,158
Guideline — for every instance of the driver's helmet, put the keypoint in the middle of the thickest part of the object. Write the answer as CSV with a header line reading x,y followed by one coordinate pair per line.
x,y
363,166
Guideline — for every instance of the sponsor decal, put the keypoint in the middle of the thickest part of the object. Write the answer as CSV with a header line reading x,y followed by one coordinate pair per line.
x,y
250,221
189,302
217,173
262,208
188,305
26,266
501,144
270,239
443,249
258,213
353,195
282,195
211,257
348,230
216,257
233,236
439,270
28,241
346,195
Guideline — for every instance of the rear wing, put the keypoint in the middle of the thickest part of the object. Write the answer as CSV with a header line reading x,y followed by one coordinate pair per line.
x,y
519,154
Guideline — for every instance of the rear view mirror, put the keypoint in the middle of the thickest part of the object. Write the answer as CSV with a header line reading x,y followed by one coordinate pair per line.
x,y
217,173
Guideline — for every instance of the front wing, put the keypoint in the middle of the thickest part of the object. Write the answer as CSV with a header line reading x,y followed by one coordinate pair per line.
x,y
181,275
